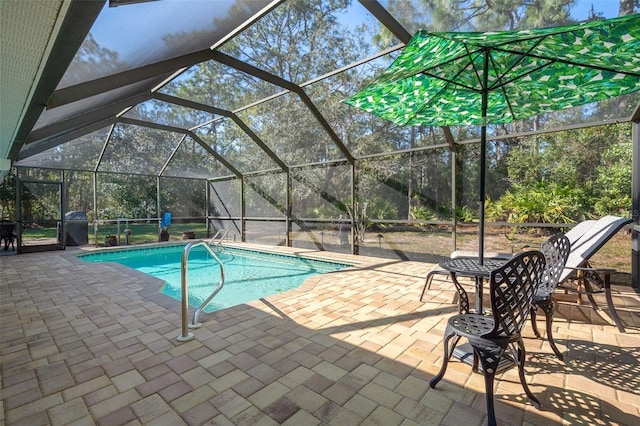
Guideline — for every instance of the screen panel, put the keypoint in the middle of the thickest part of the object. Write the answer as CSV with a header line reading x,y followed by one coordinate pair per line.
x,y
183,197
291,131
266,232
191,160
322,191
266,195
138,149
225,198
218,85
79,154
232,143
142,33
292,41
169,114
411,186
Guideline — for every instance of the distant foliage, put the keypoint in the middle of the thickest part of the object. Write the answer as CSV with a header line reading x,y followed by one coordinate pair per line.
x,y
567,176
8,196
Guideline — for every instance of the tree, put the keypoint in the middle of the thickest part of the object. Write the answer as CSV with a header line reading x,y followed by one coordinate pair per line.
x,y
567,176
8,196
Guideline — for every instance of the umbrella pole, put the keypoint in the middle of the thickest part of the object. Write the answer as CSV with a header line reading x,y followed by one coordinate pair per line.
x,y
483,153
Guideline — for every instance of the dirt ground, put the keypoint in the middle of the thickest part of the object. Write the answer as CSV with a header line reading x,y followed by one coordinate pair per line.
x,y
435,243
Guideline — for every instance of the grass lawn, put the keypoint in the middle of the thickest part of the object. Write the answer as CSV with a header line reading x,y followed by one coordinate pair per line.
x,y
140,232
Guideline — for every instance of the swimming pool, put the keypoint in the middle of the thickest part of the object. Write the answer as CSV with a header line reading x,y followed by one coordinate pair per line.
x,y
249,274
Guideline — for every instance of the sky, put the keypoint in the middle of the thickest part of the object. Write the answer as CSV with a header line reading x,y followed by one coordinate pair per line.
x,y
608,7
128,29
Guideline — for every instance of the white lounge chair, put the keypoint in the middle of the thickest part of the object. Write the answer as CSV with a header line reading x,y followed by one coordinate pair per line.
x,y
579,277
573,235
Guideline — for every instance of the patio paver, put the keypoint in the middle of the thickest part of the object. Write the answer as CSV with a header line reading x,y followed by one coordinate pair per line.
x,y
96,343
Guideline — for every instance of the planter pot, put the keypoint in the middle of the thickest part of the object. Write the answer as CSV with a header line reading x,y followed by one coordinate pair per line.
x,y
110,241
164,235
188,235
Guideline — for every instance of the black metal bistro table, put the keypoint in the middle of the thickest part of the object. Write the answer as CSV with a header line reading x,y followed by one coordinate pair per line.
x,y
471,267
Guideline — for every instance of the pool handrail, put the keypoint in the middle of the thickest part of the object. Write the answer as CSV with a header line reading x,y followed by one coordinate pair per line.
x,y
220,236
185,335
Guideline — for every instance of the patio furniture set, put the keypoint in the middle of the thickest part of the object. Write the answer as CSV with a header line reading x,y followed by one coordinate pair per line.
x,y
518,287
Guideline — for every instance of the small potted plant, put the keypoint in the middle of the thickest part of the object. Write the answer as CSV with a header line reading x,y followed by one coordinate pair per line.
x,y
165,221
188,235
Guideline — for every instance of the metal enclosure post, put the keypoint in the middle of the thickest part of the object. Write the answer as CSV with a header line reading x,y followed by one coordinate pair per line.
x,y
207,197
18,211
288,202
95,208
63,210
355,247
96,167
635,199
159,210
243,228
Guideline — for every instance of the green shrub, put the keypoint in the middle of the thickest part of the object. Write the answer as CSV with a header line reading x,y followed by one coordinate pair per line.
x,y
543,203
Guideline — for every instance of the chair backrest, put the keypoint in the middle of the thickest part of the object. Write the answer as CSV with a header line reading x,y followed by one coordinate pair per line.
x,y
556,252
512,288
579,230
595,237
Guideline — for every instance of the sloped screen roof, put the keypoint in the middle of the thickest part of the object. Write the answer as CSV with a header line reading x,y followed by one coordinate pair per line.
x,y
213,89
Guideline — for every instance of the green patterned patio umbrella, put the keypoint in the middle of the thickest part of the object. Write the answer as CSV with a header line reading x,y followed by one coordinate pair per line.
x,y
451,79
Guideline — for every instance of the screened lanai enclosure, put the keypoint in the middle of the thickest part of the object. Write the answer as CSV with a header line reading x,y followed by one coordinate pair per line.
x,y
230,116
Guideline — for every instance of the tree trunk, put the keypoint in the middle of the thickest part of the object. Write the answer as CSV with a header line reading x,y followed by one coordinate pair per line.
x,y
410,183
626,7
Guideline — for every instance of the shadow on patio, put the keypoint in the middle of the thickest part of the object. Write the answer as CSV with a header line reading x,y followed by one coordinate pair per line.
x,y
96,343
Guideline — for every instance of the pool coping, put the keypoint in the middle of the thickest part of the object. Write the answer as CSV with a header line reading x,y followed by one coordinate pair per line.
x,y
152,290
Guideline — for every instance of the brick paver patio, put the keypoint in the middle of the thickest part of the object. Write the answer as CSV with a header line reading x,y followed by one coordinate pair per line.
x,y
86,343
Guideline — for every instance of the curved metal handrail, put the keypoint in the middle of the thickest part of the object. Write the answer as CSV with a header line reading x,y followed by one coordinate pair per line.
x,y
184,287
220,236
217,234
233,232
218,242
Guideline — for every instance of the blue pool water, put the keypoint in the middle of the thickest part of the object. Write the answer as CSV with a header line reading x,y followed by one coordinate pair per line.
x,y
249,275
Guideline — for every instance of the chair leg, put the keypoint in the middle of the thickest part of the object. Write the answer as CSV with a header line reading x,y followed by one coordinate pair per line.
x,y
547,308
604,284
488,389
429,279
427,283
489,360
448,351
534,324
585,284
612,309
525,386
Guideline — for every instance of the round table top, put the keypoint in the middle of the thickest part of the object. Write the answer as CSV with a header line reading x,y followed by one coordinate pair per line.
x,y
471,266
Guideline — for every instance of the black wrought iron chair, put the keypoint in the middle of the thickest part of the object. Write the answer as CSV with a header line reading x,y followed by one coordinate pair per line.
x,y
512,288
556,252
